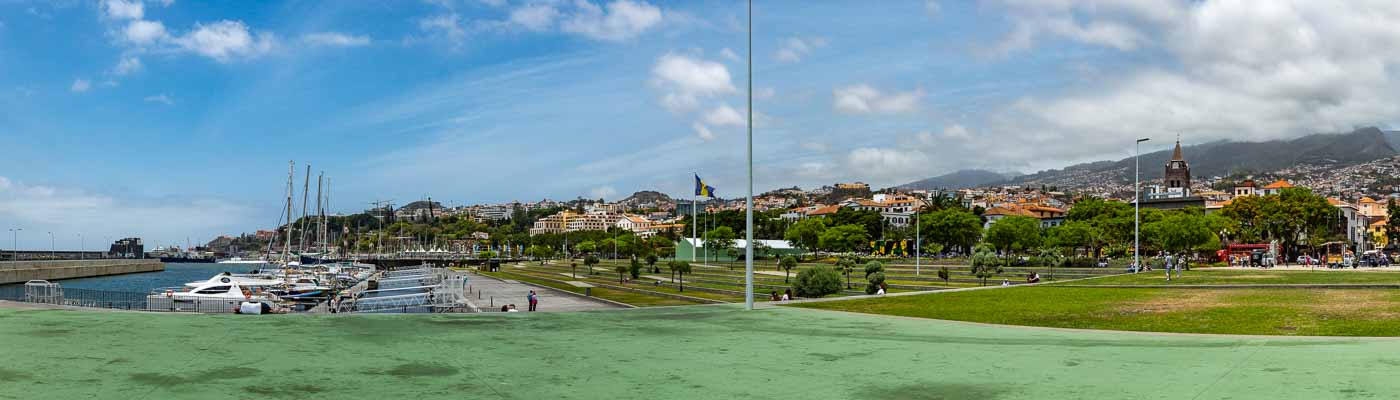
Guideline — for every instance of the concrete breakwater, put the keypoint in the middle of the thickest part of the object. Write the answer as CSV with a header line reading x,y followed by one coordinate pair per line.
x,y
23,271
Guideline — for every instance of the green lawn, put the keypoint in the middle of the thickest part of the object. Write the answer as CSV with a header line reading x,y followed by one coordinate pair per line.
x,y
1236,276
1321,312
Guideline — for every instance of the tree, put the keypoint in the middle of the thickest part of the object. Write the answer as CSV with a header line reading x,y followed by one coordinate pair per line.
x,y
678,271
1014,233
590,260
486,255
985,264
635,268
720,240
1392,230
1178,231
845,238
932,248
539,252
806,234
954,228
943,274
621,272
1050,257
846,265
817,282
587,247
787,263
661,245
651,263
1072,235
875,275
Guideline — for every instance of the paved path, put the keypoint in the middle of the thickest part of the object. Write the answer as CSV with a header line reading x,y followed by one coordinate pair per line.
x,y
495,292
695,352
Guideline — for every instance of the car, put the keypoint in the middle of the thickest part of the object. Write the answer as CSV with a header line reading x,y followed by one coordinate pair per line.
x,y
1307,260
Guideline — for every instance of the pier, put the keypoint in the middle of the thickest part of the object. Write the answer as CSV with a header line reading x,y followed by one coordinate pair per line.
x,y
23,271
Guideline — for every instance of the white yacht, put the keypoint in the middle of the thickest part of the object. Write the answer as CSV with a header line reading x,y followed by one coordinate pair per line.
x,y
240,260
217,295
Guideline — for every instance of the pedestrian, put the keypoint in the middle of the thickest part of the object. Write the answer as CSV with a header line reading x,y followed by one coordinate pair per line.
x,y
787,295
773,295
1180,264
534,300
1167,265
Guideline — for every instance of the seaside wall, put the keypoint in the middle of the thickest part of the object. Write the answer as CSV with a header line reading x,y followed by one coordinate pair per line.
x,y
23,271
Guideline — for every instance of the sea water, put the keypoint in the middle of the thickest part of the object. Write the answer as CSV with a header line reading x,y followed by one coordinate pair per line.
x,y
175,275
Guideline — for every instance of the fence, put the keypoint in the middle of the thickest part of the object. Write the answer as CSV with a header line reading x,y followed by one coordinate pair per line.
x,y
53,293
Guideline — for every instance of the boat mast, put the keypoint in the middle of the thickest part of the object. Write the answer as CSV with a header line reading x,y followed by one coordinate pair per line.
x,y
291,191
316,226
305,189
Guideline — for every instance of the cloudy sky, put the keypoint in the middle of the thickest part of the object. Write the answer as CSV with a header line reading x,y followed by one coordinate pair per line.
x,y
169,119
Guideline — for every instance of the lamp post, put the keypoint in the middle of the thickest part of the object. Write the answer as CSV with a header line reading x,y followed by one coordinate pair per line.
x,y
53,247
748,201
15,256
1137,204
82,247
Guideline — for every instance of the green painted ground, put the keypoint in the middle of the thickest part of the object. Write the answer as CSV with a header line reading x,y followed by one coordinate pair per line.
x,y
1251,277
657,353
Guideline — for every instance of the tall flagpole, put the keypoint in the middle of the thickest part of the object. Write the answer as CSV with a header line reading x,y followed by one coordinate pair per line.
x,y
748,202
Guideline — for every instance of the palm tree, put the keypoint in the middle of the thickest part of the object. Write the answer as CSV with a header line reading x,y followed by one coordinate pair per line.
x,y
590,260
679,269
847,265
651,262
787,263
621,272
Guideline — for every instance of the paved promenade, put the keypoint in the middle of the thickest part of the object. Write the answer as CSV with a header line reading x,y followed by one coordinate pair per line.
x,y
695,352
496,292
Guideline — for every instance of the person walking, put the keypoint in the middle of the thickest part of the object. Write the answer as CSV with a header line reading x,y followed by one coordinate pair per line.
x,y
1167,265
534,300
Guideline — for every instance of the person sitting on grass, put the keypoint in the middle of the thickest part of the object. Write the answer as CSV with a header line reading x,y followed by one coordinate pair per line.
x,y
1033,278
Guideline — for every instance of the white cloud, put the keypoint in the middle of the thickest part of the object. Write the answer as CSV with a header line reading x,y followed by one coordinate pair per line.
x,y
686,80
225,41
724,115
167,3
864,99
335,39
793,49
142,32
729,55
67,212
603,192
127,65
814,146
535,17
956,131
622,20
123,9
161,98
885,162
80,85
446,26
1229,70
702,131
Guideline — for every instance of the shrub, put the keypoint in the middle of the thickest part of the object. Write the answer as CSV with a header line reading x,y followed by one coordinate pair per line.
x,y
817,282
875,274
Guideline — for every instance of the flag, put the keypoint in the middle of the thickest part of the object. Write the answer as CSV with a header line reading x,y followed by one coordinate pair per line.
x,y
701,189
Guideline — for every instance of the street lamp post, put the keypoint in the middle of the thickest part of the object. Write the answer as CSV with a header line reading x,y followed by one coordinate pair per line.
x,y
1137,205
53,247
82,247
15,256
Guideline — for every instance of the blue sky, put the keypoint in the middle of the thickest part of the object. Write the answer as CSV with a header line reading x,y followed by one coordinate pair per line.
x,y
174,119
